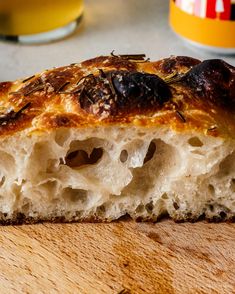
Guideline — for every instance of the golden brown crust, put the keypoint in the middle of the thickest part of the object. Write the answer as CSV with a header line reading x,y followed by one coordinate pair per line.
x,y
180,92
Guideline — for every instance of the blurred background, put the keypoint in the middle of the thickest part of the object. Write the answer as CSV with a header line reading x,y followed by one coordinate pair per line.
x,y
128,26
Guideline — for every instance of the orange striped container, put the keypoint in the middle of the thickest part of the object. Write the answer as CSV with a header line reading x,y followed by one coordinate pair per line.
x,y
208,24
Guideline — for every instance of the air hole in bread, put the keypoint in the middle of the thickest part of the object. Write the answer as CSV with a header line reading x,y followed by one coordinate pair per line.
x,y
211,207
149,207
75,195
100,210
49,186
211,189
79,158
144,177
142,134
165,196
176,206
2,181
150,153
195,142
140,208
123,156
223,215
227,166
61,137
232,185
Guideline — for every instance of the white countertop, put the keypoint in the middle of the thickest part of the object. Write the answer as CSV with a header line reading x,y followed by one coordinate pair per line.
x,y
128,26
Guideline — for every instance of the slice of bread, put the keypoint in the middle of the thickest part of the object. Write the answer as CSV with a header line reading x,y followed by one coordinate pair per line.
x,y
117,136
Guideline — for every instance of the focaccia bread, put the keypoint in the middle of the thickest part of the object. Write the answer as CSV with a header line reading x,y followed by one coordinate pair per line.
x,y
119,135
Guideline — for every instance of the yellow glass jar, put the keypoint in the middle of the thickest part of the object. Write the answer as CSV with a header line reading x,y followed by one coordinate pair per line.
x,y
209,24
39,20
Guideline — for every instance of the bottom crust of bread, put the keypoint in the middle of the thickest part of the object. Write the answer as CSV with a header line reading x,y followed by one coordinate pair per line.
x,y
21,219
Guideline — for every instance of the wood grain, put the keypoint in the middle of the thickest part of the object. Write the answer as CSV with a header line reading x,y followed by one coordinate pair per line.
x,y
123,257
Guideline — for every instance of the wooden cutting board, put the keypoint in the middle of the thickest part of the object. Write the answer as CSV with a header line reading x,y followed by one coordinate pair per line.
x,y
123,257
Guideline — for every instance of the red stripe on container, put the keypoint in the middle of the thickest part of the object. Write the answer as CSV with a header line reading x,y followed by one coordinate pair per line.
x,y
227,10
210,9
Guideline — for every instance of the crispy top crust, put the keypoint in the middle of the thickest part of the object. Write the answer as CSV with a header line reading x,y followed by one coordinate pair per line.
x,y
179,92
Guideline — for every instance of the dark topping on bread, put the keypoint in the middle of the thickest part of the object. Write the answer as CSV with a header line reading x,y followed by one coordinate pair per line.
x,y
28,79
12,115
33,86
176,63
212,80
145,88
133,57
52,82
57,80
180,116
117,92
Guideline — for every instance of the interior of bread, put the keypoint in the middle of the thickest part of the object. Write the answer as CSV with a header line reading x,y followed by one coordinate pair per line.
x,y
107,172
